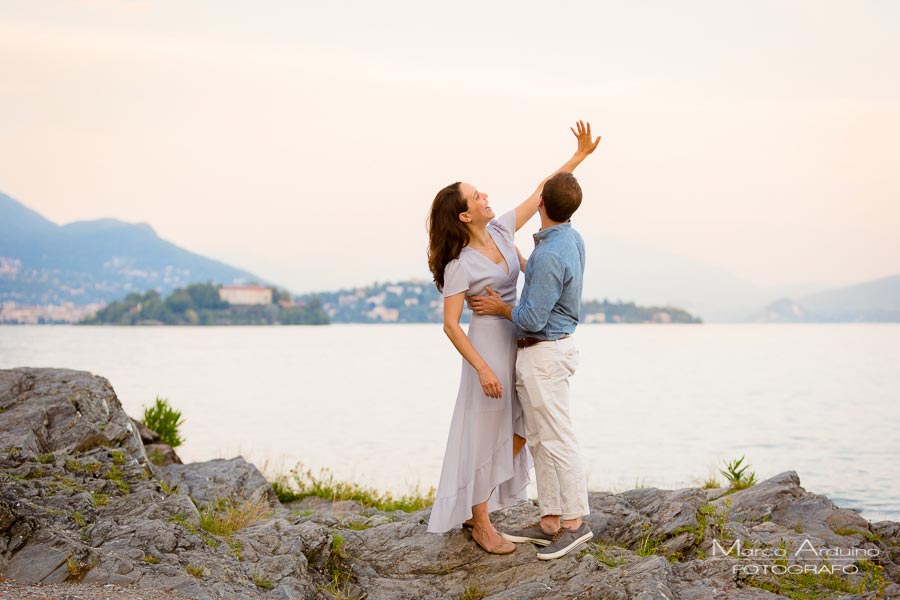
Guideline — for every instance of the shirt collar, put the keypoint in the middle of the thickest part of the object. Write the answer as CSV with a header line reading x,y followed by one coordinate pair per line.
x,y
545,234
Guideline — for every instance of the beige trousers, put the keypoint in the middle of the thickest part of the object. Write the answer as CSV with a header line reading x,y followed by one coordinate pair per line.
x,y
542,382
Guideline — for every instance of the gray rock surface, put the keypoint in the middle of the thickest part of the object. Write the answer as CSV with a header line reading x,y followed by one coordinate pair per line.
x,y
58,410
79,503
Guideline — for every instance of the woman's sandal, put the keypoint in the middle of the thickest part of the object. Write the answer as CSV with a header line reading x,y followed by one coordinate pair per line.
x,y
503,547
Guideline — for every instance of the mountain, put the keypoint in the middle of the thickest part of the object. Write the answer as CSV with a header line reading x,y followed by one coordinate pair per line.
x,y
617,269
93,261
870,301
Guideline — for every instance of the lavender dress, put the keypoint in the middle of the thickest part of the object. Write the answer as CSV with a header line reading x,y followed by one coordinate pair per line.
x,y
478,463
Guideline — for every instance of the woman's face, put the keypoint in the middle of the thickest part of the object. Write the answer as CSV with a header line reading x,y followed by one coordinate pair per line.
x,y
479,211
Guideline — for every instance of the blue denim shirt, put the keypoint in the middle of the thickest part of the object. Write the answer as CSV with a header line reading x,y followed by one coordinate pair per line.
x,y
550,306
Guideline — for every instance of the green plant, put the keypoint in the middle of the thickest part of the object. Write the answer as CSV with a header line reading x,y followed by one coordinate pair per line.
x,y
472,592
872,537
157,457
115,475
99,499
36,473
236,547
602,553
74,568
337,570
149,558
118,457
647,544
262,582
734,473
46,459
78,518
180,520
815,585
337,546
164,420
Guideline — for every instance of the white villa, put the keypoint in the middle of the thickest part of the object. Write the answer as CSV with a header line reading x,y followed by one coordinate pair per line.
x,y
246,295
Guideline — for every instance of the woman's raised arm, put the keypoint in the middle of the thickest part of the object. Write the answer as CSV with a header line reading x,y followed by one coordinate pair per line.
x,y
586,145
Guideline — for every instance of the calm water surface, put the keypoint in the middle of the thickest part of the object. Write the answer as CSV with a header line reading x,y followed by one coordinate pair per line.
x,y
656,405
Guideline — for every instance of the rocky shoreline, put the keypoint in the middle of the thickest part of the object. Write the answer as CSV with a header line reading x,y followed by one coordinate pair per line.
x,y
82,507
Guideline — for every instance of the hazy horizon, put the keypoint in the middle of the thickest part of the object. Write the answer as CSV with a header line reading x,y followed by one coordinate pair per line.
x,y
305,144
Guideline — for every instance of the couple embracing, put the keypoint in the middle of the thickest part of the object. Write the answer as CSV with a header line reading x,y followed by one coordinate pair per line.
x,y
517,361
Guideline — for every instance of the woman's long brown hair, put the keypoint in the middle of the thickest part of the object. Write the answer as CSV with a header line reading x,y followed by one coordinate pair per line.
x,y
447,235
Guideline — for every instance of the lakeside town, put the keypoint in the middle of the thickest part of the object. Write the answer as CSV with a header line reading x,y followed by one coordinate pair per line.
x,y
414,301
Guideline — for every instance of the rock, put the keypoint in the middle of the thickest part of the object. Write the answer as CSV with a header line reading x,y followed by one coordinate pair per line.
x,y
148,436
73,509
219,479
7,517
162,455
35,563
58,410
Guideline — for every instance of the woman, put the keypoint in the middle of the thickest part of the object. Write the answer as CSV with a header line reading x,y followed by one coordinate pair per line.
x,y
468,251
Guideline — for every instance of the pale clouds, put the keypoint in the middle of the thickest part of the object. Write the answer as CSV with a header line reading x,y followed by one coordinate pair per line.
x,y
307,148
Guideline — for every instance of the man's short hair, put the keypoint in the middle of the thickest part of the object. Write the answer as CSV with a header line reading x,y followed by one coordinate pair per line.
x,y
562,197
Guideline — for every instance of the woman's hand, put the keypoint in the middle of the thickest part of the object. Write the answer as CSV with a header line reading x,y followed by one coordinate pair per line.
x,y
489,383
585,144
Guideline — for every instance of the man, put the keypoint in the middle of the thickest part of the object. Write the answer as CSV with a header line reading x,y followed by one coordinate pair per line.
x,y
546,318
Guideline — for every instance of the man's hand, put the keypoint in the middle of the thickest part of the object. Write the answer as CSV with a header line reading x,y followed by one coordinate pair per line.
x,y
522,260
491,304
586,144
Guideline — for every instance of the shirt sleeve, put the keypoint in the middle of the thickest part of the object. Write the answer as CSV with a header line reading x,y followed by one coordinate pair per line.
x,y
544,291
506,224
456,279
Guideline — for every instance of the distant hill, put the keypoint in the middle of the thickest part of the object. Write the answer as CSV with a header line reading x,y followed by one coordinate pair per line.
x,y
870,301
93,261
202,304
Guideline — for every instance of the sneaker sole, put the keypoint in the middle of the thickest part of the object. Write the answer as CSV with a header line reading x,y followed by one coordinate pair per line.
x,y
567,549
524,540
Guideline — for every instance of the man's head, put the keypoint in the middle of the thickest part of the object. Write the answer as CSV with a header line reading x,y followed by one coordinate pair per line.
x,y
561,197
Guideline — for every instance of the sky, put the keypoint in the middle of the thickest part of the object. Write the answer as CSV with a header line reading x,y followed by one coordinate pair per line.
x,y
305,141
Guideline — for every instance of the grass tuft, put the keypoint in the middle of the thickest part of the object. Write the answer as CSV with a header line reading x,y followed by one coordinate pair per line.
x,y
195,570
303,484
472,592
872,537
602,553
227,516
261,582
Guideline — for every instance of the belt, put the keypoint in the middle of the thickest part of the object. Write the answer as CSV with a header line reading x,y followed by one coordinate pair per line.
x,y
529,341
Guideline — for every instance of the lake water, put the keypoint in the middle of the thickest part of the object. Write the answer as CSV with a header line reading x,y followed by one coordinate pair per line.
x,y
658,406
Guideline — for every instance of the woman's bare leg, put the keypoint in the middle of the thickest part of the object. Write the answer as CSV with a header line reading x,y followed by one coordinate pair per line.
x,y
484,531
518,444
